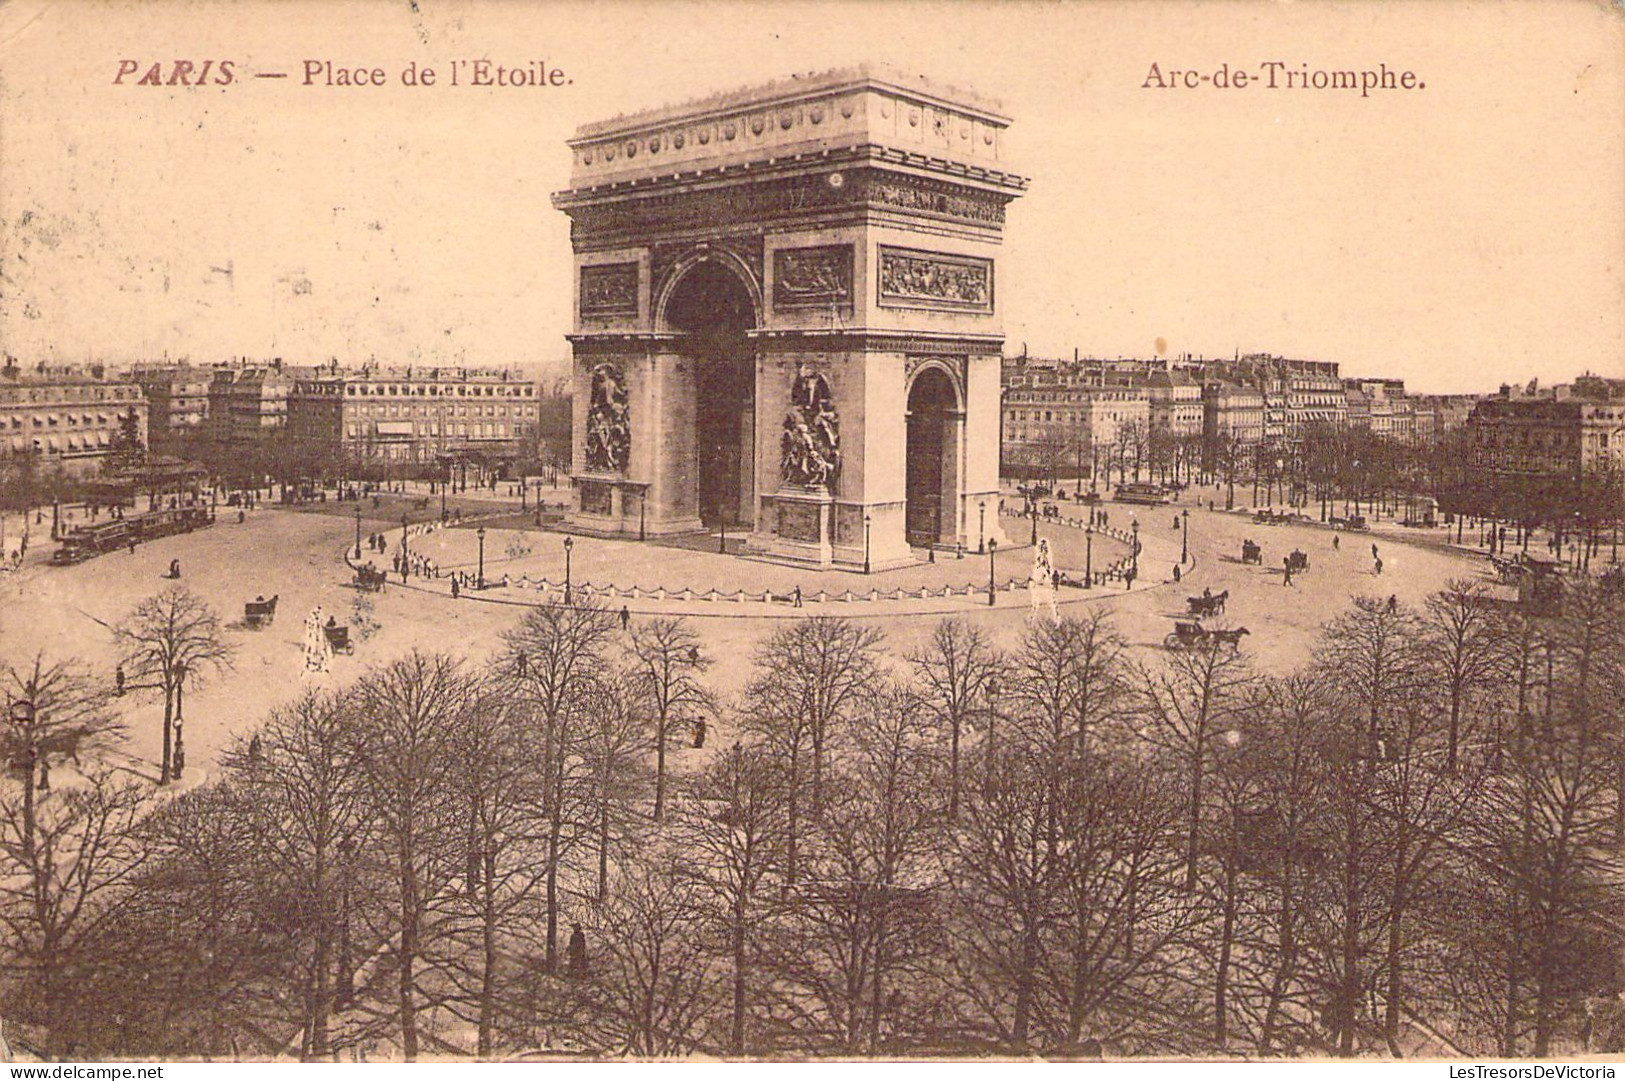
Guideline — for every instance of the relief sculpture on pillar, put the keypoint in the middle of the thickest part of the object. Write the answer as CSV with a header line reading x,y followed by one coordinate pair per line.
x,y
609,422
810,448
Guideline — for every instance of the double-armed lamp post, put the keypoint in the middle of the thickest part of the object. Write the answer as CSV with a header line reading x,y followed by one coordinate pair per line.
x,y
992,551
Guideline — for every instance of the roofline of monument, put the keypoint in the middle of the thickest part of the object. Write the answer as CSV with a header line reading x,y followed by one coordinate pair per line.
x,y
794,88
866,154
774,335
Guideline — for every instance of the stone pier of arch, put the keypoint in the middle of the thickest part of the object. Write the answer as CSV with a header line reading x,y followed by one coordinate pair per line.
x,y
787,321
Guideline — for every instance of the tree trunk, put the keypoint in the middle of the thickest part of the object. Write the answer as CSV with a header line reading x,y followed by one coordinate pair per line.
x,y
736,1030
660,769
1025,978
488,966
409,948
1221,980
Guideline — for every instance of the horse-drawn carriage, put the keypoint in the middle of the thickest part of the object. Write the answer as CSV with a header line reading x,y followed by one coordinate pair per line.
x,y
338,638
1251,553
1190,634
1208,604
1507,571
1354,523
370,579
259,612
1269,517
1297,561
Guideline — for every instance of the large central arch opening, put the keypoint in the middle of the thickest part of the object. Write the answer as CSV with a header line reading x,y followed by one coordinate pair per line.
x,y
933,454
713,308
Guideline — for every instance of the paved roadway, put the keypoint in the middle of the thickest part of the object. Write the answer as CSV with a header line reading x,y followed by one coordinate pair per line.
x,y
66,611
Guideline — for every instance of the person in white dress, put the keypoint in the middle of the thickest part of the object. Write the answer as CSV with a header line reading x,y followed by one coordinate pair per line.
x,y
1041,582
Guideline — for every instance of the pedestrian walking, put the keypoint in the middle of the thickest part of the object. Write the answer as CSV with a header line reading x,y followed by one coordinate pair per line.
x,y
626,617
1373,551
1379,568
1337,542
576,955
699,732
1286,565
798,594
454,590
1393,604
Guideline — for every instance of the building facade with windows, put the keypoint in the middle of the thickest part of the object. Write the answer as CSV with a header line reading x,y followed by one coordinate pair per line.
x,y
68,417
1071,418
1562,434
248,404
177,403
424,415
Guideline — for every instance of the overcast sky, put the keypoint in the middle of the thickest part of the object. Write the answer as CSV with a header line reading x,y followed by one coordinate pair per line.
x,y
1455,236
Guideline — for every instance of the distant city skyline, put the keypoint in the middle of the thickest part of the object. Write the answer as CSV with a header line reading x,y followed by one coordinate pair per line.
x,y
1455,237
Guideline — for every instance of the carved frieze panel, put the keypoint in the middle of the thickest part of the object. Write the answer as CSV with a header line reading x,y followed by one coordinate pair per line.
x,y
799,521
609,289
910,278
596,498
908,193
812,277
789,196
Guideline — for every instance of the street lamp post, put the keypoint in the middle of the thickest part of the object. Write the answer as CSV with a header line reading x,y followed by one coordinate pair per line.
x,y
445,482
405,553
981,527
358,532
722,538
992,550
1185,541
569,543
480,577
1032,512
867,521
179,761
1088,556
1134,566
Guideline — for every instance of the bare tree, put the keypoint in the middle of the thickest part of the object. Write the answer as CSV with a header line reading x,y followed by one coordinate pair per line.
x,y
1003,874
668,662
808,677
552,662
58,894
297,776
861,922
172,640
654,989
730,828
1185,705
955,671
1067,679
1463,650
494,771
410,713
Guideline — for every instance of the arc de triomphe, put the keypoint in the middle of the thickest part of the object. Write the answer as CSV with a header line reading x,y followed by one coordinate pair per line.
x,y
787,319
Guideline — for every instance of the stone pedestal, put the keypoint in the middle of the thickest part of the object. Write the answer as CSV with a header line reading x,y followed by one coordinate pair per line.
x,y
611,505
802,529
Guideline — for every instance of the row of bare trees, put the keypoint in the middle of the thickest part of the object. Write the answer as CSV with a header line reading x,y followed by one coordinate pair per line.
x,y
1065,845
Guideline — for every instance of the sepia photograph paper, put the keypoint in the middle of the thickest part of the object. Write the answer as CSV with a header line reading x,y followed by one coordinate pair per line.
x,y
548,532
